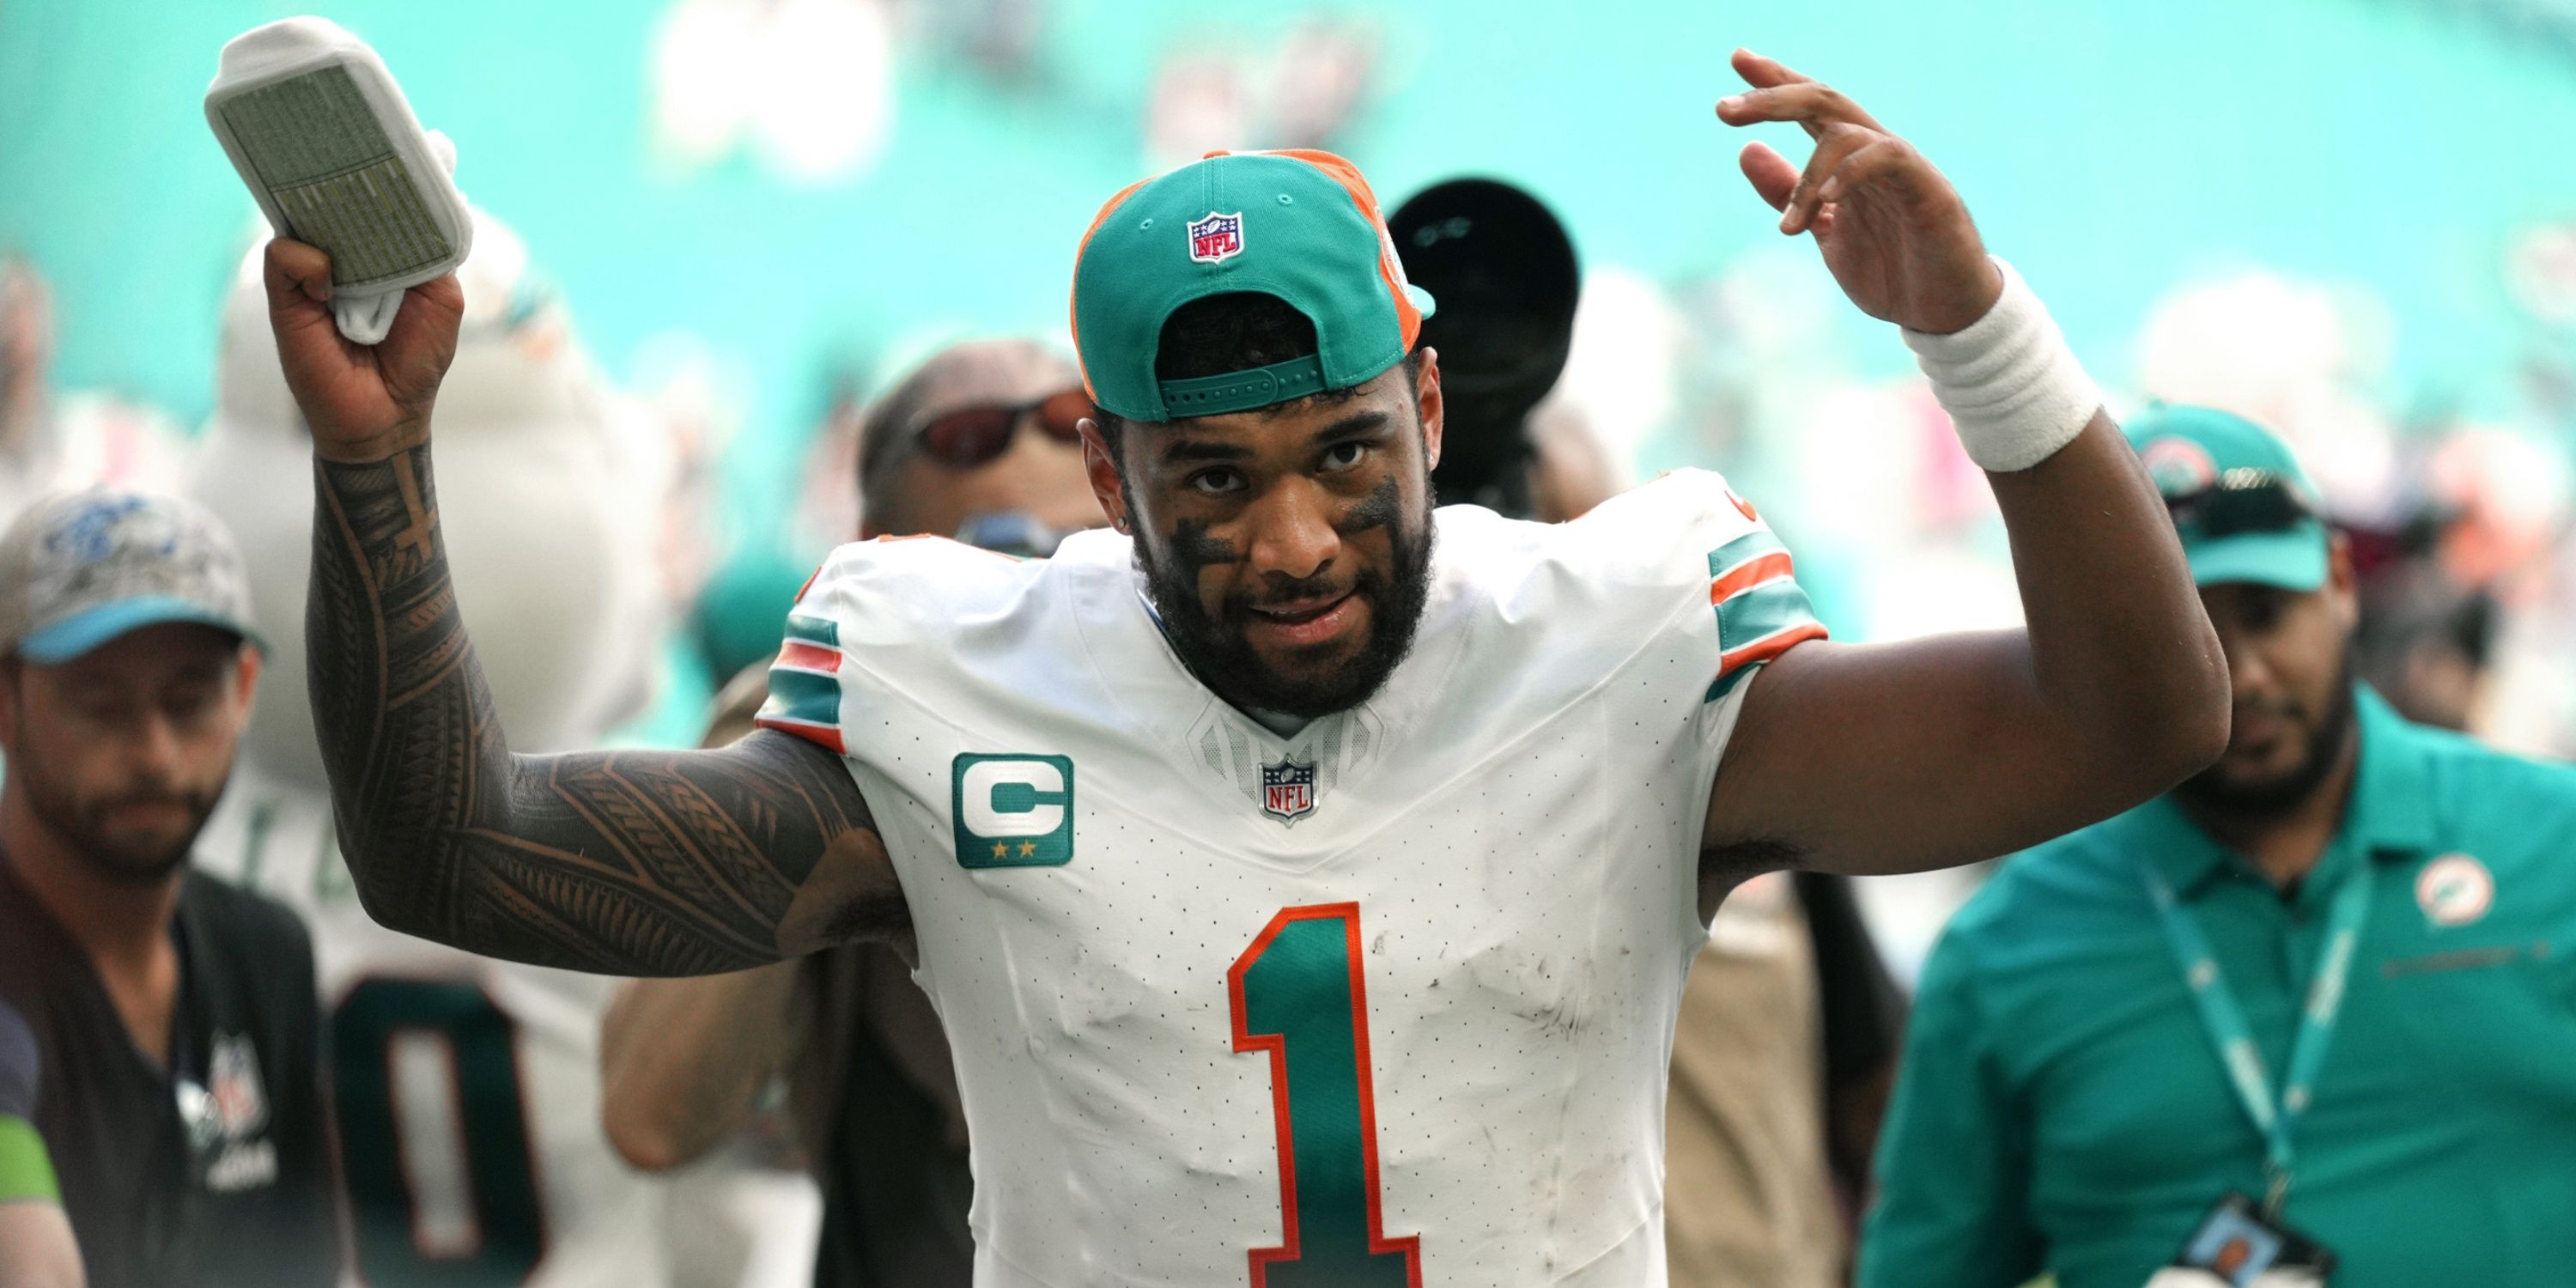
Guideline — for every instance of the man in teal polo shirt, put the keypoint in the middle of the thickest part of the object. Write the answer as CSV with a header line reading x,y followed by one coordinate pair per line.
x,y
2375,921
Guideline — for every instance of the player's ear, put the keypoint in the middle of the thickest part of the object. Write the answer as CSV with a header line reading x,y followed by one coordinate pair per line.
x,y
1100,464
1427,402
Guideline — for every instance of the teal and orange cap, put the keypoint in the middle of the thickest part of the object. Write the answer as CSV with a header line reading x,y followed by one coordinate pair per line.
x,y
1299,225
2244,509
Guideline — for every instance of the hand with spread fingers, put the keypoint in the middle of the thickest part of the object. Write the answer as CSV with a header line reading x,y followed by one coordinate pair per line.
x,y
1892,229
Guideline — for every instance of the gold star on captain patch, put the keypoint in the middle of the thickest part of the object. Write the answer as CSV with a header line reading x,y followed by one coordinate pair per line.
x,y
1001,849
1028,849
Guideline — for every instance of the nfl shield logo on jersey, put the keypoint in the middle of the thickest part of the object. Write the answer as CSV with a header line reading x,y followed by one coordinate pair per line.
x,y
1288,790
1216,238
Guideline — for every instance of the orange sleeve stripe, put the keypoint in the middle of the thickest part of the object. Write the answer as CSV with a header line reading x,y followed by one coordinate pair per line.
x,y
807,657
1769,647
1744,576
824,736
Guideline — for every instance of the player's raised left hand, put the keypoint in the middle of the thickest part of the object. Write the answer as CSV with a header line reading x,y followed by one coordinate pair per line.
x,y
361,402
1891,228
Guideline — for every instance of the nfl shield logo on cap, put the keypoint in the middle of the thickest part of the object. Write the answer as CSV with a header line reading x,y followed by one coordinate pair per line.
x,y
1301,226
1288,790
1216,238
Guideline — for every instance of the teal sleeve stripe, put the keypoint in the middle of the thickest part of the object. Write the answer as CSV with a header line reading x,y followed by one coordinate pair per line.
x,y
1751,545
26,1171
805,696
1726,682
814,630
1767,608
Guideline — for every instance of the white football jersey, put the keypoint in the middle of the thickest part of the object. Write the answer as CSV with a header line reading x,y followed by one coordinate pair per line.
x,y
1388,1001
466,1089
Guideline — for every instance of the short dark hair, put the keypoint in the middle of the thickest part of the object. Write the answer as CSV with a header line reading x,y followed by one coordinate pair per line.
x,y
1216,335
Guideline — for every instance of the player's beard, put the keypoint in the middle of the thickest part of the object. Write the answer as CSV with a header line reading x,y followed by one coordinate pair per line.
x,y
1218,650
84,827
2328,733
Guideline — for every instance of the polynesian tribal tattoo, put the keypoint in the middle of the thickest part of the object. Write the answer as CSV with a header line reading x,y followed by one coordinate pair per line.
x,y
629,862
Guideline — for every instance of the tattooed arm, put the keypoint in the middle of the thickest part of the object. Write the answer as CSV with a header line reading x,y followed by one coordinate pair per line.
x,y
629,862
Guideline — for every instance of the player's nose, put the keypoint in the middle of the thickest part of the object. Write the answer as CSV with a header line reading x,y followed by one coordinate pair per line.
x,y
1292,531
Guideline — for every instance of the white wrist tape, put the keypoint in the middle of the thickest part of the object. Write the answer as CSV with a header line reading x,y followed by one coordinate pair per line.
x,y
2012,387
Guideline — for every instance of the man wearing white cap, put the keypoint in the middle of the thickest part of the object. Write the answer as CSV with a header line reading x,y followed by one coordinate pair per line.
x,y
171,1016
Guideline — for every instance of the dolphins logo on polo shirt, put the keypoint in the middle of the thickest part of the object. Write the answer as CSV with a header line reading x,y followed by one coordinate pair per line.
x,y
2454,890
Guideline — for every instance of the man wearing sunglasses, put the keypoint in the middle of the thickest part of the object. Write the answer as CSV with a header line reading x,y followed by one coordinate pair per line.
x,y
1305,879
978,442
2315,1003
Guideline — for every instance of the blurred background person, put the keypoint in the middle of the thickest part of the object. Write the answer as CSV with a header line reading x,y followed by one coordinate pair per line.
x,y
2426,643
2466,615
51,441
2304,1004
172,1016
1783,1062
978,441
466,1089
27,447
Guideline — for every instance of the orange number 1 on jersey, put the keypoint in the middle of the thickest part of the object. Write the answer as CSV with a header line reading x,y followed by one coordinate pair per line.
x,y
1297,994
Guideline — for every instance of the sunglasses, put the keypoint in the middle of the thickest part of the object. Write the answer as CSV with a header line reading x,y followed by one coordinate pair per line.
x,y
2240,501
971,436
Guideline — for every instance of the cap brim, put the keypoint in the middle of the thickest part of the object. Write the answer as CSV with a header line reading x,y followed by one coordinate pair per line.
x,y
2292,559
86,630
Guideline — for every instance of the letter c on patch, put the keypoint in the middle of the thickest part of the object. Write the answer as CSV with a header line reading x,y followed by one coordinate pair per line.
x,y
1013,798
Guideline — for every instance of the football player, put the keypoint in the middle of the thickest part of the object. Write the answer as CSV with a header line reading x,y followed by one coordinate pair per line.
x,y
1305,879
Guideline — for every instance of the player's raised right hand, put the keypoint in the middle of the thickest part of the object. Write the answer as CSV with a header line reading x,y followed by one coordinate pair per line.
x,y
361,402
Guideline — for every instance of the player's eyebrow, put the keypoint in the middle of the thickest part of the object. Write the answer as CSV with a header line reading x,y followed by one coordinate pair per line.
x,y
1190,451
1195,451
1370,421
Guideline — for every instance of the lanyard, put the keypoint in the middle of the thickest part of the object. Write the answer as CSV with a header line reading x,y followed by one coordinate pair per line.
x,y
2225,1023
